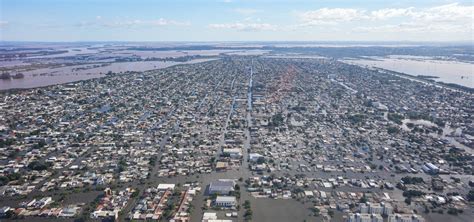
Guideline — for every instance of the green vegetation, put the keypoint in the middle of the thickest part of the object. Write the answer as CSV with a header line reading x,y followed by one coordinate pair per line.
x,y
152,161
392,130
39,166
357,118
454,211
122,165
395,117
6,142
135,193
316,211
10,177
413,193
470,196
276,120
248,211
412,180
39,145
331,213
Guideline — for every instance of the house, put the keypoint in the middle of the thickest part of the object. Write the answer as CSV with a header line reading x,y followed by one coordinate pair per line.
x,y
68,212
212,217
4,211
164,186
235,153
222,187
254,157
225,201
430,168
221,166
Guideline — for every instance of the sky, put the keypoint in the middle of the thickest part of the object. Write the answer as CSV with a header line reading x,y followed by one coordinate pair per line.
x,y
236,20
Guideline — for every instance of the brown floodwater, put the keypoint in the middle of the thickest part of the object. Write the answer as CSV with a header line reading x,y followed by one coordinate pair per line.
x,y
53,76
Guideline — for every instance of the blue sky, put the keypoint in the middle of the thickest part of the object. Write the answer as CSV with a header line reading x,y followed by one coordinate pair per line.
x,y
236,20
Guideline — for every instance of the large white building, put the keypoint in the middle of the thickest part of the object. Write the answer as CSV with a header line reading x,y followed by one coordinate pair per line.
x,y
358,217
387,208
405,218
225,201
222,187
375,208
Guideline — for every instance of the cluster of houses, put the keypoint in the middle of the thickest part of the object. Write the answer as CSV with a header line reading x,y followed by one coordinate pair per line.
x,y
154,203
295,119
41,208
112,203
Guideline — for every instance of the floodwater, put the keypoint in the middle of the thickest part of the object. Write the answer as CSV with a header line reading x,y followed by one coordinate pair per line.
x,y
446,135
53,76
460,73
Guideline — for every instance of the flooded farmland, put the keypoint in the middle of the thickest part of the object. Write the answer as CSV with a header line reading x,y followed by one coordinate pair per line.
x,y
60,75
460,73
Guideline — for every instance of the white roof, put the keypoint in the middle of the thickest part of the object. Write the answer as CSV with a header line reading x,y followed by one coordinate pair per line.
x,y
209,216
225,199
232,150
166,186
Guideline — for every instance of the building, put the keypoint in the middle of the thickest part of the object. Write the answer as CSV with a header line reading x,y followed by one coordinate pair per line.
x,y
165,186
212,217
234,153
225,201
4,211
405,218
430,168
358,217
221,166
222,187
387,208
375,208
379,106
254,157
363,209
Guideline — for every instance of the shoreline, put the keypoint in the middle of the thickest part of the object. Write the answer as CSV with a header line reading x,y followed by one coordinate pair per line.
x,y
419,78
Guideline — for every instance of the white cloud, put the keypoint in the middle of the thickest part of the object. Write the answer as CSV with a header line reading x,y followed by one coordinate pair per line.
x,y
388,13
131,23
453,18
247,11
449,18
446,13
331,16
245,26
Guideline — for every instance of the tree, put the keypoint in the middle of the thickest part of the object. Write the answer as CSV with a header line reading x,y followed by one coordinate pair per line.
x,y
412,180
331,213
37,165
392,130
470,196
247,204
408,200
316,211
